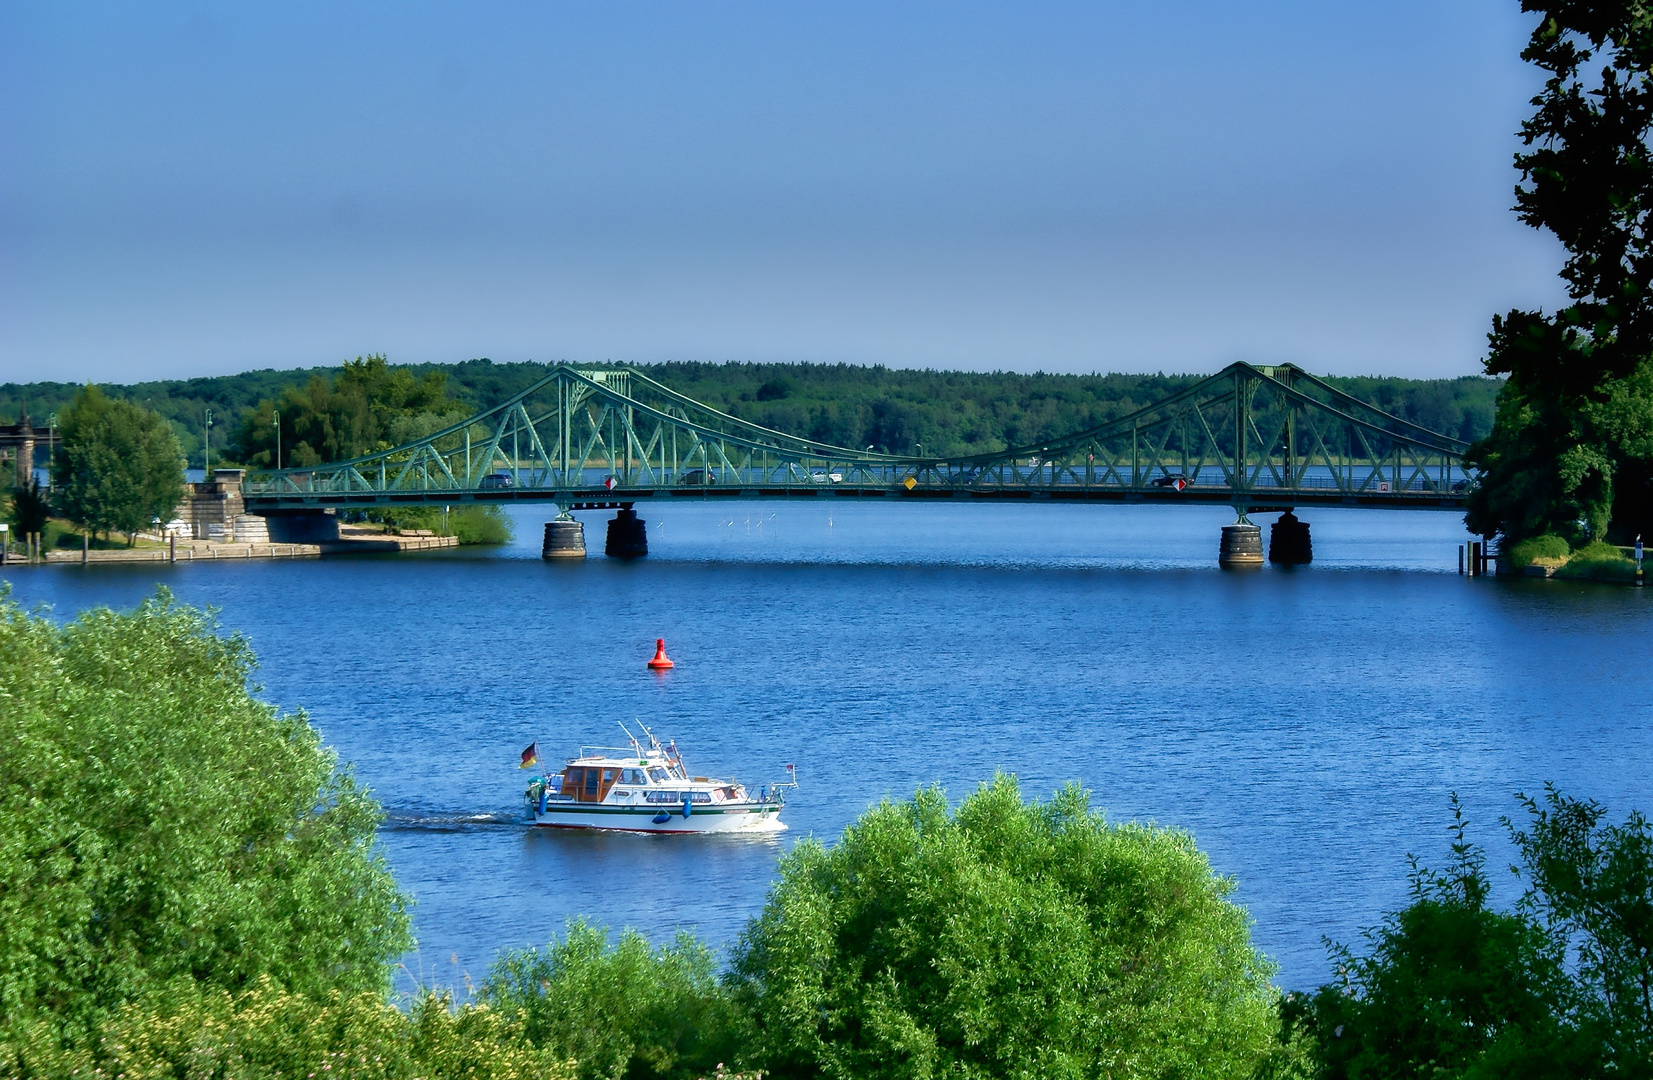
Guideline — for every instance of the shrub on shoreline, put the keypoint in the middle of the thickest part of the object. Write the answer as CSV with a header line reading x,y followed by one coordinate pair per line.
x,y
1548,549
1600,561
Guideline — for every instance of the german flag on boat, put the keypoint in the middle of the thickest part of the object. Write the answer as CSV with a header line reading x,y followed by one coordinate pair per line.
x,y
530,756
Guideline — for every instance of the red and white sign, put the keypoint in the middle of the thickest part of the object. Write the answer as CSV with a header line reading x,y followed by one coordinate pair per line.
x,y
610,483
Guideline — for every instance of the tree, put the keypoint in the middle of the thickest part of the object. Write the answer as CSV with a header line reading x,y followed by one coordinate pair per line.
x,y
1571,450
367,406
120,466
1003,940
162,825
1592,884
1559,986
1452,987
30,509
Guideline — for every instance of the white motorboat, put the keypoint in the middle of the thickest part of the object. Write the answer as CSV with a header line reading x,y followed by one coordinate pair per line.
x,y
645,787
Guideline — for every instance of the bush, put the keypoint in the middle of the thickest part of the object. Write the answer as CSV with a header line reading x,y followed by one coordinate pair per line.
x,y
626,1011
162,823
471,524
480,525
207,1034
1549,547
1005,940
1601,561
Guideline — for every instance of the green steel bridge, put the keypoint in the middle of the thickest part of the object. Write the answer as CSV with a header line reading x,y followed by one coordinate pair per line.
x,y
1255,438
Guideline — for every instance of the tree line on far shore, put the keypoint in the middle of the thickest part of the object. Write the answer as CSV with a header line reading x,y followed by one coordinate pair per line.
x,y
190,886
333,414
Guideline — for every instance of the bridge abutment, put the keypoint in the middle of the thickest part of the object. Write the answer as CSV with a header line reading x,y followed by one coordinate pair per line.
x,y
628,536
1288,541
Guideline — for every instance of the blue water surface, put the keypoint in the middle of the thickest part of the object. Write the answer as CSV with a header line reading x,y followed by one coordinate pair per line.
x,y
1306,725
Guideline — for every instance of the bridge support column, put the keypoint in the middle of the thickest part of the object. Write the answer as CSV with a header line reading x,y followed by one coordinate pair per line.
x,y
628,536
564,539
1242,546
1288,541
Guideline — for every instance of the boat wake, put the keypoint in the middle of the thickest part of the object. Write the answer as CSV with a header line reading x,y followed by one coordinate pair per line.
x,y
447,821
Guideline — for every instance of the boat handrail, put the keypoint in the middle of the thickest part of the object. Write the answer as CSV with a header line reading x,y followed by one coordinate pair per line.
x,y
623,753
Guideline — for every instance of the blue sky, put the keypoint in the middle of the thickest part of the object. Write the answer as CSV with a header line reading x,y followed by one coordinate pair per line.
x,y
195,189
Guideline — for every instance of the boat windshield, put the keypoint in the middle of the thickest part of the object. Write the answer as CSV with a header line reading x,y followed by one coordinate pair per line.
x,y
658,775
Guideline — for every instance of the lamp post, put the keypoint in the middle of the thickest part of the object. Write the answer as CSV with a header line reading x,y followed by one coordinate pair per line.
x,y
275,422
206,459
51,453
157,524
1638,560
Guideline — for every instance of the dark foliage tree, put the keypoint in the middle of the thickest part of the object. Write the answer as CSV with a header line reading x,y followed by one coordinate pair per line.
x,y
1559,986
30,509
1571,450
120,466
1451,987
1592,884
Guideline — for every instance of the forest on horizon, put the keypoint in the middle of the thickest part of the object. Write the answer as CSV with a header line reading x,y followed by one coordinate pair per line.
x,y
894,409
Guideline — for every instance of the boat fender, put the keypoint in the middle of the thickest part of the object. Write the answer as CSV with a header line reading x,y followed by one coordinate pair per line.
x,y
688,807
662,817
542,800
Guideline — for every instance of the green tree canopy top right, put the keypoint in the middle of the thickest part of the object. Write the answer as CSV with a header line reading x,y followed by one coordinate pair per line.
x,y
1571,450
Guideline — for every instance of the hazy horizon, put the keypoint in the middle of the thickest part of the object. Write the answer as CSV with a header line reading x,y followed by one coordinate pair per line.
x,y
1062,187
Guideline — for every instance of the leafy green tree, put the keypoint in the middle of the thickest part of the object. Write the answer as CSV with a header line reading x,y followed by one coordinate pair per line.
x,y
1005,940
119,467
162,824
367,406
1571,449
621,1011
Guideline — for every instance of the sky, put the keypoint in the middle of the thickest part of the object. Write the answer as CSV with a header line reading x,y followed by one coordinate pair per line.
x,y
192,189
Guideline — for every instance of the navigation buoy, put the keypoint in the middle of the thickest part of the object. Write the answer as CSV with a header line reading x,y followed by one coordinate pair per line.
x,y
660,662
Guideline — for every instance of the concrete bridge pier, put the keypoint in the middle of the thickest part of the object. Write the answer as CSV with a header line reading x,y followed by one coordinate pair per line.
x,y
1242,545
1288,541
628,536
564,538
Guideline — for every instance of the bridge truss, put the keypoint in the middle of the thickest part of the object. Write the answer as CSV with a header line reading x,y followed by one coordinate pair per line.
x,y
1256,438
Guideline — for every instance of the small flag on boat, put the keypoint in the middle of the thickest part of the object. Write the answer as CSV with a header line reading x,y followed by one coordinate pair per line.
x,y
530,756
791,768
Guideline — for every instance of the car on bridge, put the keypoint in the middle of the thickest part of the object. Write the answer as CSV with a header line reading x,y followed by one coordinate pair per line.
x,y
821,476
1174,481
497,481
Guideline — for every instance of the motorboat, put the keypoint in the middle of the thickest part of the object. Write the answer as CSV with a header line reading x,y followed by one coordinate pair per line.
x,y
646,787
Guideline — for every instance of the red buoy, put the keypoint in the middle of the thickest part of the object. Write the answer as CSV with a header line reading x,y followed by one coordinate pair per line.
x,y
660,662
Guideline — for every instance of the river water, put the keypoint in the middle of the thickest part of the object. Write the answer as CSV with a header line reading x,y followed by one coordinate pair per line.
x,y
1306,725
